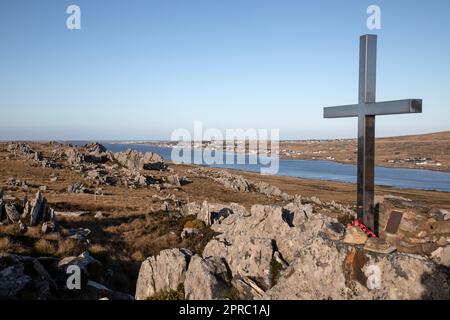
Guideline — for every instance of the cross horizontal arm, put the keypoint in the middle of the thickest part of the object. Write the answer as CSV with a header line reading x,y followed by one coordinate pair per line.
x,y
374,109
394,107
341,111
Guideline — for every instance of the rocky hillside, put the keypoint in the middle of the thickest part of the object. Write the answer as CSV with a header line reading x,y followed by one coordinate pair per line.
x,y
138,227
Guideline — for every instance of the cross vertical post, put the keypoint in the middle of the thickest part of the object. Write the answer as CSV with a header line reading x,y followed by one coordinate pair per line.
x,y
366,131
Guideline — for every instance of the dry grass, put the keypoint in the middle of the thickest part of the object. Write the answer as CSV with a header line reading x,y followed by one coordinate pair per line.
x,y
9,229
68,247
6,245
45,247
195,224
98,249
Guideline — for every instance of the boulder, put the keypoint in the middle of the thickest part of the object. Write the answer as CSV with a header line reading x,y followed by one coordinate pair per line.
x,y
442,256
191,208
38,209
13,280
206,279
162,273
48,227
91,267
173,180
95,148
12,213
79,233
105,292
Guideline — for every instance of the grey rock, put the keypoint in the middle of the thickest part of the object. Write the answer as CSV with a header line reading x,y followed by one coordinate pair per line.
x,y
13,280
74,157
12,213
162,273
72,213
39,209
22,227
211,213
442,256
173,180
76,187
107,293
136,160
79,233
246,256
206,279
48,227
91,267
191,208
269,221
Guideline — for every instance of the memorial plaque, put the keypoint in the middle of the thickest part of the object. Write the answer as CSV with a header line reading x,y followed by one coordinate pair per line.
x,y
393,222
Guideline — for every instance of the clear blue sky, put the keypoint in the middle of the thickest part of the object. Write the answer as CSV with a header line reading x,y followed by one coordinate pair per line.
x,y
139,69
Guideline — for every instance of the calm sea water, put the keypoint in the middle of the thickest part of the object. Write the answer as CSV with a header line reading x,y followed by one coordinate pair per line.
x,y
325,170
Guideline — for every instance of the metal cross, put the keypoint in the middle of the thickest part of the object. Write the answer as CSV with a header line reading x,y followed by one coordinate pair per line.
x,y
366,110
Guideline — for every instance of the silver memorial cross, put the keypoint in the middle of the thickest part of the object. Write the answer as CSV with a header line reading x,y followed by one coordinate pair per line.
x,y
366,110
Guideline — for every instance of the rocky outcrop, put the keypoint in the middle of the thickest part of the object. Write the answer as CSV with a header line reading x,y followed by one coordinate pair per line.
x,y
40,211
327,269
135,160
36,212
74,156
91,153
24,150
162,273
41,278
290,252
239,183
